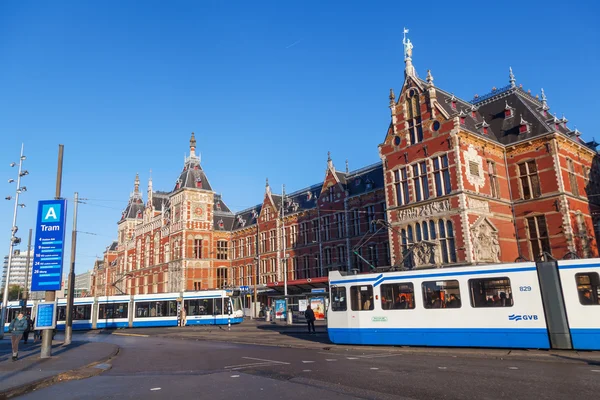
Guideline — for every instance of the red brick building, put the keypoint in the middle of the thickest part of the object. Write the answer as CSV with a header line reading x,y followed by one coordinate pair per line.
x,y
495,179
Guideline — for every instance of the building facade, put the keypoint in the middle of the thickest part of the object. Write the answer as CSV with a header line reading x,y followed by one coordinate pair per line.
x,y
18,269
495,179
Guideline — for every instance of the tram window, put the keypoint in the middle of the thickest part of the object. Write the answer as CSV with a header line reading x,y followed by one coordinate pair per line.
x,y
114,310
588,288
201,306
491,292
441,294
338,298
361,298
398,296
61,313
82,312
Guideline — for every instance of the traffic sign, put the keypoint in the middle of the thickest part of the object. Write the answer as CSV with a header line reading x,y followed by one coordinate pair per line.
x,y
45,316
244,288
49,245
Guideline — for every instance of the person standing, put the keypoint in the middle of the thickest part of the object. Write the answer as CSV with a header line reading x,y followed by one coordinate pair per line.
x,y
183,317
28,330
310,318
16,328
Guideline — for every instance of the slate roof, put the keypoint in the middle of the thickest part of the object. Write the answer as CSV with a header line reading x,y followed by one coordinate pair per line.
x,y
219,205
491,109
160,200
134,208
357,182
192,174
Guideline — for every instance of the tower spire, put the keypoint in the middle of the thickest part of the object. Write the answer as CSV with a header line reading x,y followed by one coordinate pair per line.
x,y
329,162
409,70
511,78
193,145
429,78
150,190
136,185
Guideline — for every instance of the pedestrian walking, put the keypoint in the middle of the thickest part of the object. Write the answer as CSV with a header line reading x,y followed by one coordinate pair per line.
x,y
309,314
16,328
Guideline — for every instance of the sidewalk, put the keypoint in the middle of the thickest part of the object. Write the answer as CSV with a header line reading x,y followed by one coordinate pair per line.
x,y
30,371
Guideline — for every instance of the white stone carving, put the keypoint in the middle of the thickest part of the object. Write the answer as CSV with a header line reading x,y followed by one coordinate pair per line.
x,y
424,211
471,156
477,205
486,246
425,253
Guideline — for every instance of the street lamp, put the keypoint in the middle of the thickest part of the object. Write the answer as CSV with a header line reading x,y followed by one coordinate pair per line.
x,y
13,239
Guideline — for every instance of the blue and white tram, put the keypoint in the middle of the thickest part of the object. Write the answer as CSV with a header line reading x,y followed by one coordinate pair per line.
x,y
155,310
581,291
525,305
82,313
211,308
448,307
113,312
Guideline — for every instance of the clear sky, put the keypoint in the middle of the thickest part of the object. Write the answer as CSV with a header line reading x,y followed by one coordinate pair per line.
x,y
269,87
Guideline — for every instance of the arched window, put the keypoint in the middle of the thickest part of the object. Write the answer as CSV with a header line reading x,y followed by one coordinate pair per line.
x,y
156,250
413,117
418,229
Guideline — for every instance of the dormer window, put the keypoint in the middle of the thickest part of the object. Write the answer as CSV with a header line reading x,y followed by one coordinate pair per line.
x,y
524,126
357,182
484,127
221,224
199,183
485,130
453,104
218,206
463,117
507,113
473,112
178,184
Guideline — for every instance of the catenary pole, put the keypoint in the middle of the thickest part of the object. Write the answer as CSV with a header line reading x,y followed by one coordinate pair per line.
x,y
50,296
71,287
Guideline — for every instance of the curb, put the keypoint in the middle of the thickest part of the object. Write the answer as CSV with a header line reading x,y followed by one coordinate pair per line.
x,y
87,371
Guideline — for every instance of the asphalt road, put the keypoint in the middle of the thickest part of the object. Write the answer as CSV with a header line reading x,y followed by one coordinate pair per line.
x,y
158,368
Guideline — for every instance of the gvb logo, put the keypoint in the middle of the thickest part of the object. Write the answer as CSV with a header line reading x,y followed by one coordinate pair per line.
x,y
516,317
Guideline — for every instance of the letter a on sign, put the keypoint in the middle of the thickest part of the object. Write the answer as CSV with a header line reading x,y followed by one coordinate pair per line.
x,y
51,212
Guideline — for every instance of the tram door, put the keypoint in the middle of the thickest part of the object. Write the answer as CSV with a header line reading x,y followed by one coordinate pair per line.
x,y
554,305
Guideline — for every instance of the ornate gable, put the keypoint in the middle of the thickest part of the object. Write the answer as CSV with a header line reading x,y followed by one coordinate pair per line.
x,y
486,247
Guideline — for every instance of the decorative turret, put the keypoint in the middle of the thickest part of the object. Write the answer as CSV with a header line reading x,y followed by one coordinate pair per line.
x,y
329,162
267,187
392,100
429,78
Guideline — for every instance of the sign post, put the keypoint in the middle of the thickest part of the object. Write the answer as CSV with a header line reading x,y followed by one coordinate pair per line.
x,y
48,252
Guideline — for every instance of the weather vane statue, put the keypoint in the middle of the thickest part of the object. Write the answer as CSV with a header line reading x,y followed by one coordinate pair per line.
x,y
407,46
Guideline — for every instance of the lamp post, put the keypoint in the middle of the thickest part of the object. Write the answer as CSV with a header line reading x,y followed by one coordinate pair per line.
x,y
14,240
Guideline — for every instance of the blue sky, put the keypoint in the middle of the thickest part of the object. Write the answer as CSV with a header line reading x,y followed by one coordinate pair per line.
x,y
268,87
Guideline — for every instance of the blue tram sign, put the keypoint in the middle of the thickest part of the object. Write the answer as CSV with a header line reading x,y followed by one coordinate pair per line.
x,y
49,245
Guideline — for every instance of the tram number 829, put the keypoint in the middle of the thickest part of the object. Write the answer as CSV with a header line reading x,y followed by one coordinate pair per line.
x,y
525,288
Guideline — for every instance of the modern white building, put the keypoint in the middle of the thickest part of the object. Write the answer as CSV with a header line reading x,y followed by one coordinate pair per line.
x,y
83,284
18,269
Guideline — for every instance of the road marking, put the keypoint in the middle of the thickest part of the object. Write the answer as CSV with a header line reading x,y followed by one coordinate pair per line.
x,y
330,359
130,334
307,362
596,370
154,389
235,376
269,361
306,370
380,355
442,367
238,367
374,369
513,367
352,358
